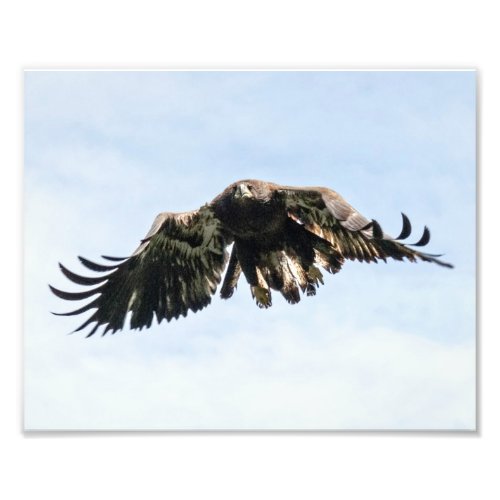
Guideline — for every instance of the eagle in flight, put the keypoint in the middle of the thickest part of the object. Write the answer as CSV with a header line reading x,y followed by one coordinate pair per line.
x,y
281,236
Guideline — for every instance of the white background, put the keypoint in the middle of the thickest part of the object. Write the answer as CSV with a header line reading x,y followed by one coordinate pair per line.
x,y
258,35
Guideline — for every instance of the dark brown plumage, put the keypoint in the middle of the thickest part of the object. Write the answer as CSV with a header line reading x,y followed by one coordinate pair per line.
x,y
282,235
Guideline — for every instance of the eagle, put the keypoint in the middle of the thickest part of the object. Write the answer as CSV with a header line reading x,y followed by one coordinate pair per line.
x,y
281,237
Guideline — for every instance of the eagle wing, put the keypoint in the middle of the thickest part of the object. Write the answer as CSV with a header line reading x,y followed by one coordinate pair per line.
x,y
176,268
352,236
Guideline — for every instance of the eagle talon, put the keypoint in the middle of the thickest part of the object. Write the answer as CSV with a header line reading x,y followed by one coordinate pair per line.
x,y
262,296
315,275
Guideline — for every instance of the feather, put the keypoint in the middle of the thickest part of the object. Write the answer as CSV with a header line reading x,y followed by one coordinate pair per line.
x,y
81,280
426,237
95,267
406,230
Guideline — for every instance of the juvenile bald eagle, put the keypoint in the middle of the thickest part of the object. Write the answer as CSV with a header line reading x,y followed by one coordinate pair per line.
x,y
282,236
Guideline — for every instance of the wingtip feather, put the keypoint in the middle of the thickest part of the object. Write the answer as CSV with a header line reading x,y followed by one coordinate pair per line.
x,y
425,238
93,266
406,229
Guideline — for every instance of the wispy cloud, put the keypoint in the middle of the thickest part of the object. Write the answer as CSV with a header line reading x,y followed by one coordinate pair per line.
x,y
276,378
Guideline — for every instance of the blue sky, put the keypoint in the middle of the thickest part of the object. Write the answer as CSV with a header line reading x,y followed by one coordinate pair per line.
x,y
381,346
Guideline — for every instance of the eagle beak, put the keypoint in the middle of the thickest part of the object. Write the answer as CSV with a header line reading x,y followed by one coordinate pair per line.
x,y
242,191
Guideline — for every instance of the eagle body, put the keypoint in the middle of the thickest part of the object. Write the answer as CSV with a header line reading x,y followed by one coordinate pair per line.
x,y
271,249
250,211
281,237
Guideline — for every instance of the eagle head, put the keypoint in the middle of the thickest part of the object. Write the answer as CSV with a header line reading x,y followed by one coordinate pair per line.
x,y
243,191
251,190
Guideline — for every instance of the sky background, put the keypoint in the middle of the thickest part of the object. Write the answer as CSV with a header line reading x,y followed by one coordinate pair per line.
x,y
379,347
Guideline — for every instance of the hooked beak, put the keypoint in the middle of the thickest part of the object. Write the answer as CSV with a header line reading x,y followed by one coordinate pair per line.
x,y
242,191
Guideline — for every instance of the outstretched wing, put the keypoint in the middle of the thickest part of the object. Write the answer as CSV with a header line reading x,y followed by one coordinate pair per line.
x,y
176,268
326,214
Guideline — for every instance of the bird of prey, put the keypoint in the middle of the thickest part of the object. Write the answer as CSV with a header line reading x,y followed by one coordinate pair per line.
x,y
281,236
